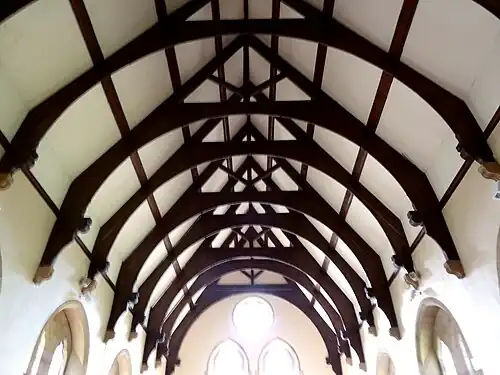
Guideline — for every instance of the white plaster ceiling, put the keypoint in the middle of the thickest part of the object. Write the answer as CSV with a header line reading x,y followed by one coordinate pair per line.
x,y
41,50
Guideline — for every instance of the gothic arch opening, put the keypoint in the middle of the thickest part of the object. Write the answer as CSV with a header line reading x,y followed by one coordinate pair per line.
x,y
227,358
63,345
122,364
441,346
278,357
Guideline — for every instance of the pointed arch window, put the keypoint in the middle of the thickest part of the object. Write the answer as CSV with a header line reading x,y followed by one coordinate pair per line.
x,y
279,358
253,317
228,358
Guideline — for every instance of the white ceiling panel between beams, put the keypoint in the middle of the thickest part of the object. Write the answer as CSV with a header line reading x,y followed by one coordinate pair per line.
x,y
143,86
268,277
365,224
375,20
156,153
82,133
60,53
408,123
260,8
115,27
322,228
231,9
343,284
286,90
167,194
178,232
351,81
133,232
259,67
342,150
450,47
321,311
153,261
165,280
234,278
192,56
114,192
385,187
204,14
206,92
299,53
12,106
484,95
184,257
216,182
233,68
327,187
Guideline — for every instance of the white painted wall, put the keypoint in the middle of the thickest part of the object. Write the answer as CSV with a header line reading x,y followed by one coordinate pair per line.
x,y
215,325
25,224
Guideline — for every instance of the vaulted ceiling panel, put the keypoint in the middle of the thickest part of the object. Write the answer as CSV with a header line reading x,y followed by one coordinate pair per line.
x,y
193,55
259,68
170,192
132,233
183,258
321,311
343,284
83,133
233,68
60,52
150,77
328,188
408,122
342,150
204,14
351,82
300,53
115,191
155,153
166,279
207,92
154,259
115,28
484,95
231,9
447,162
286,90
220,237
178,232
260,8
322,228
269,278
436,41
50,173
181,316
374,20
376,179
12,105
216,182
283,181
363,222
234,278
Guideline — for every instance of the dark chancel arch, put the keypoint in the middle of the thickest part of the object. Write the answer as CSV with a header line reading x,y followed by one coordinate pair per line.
x,y
159,322
212,295
291,223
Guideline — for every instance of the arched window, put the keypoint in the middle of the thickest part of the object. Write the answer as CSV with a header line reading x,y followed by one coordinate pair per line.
x,y
62,347
441,346
278,358
253,317
228,358
122,364
385,366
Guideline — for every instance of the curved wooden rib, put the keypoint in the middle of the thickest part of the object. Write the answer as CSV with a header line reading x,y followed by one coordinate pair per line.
x,y
453,110
413,181
214,261
208,298
291,223
311,154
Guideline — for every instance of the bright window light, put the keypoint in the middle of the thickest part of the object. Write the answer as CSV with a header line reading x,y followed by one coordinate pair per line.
x,y
253,317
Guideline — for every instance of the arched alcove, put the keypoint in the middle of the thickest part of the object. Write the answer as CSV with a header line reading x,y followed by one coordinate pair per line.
x,y
278,357
228,357
122,364
385,366
63,344
441,346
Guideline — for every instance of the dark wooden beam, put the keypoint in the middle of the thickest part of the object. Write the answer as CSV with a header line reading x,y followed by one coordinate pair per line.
x,y
329,32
